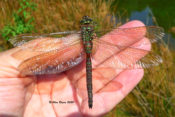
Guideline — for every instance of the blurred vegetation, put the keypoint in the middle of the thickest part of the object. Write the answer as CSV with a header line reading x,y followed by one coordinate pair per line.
x,y
22,21
153,97
56,15
163,10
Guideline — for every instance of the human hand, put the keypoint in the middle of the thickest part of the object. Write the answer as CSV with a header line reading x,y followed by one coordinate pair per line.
x,y
16,91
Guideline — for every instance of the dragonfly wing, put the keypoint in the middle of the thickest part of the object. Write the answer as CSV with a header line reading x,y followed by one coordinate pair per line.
x,y
124,57
54,61
44,42
153,33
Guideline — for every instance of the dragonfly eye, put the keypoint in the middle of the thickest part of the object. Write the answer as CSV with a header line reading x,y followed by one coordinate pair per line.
x,y
85,17
86,20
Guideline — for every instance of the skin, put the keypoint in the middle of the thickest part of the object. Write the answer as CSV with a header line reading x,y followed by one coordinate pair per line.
x,y
30,96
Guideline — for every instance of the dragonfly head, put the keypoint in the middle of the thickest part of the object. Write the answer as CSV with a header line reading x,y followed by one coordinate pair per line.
x,y
86,20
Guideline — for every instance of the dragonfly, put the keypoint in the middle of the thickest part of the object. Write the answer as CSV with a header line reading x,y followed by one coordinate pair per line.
x,y
87,43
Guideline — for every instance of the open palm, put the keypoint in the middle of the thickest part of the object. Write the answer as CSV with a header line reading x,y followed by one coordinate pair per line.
x,y
63,94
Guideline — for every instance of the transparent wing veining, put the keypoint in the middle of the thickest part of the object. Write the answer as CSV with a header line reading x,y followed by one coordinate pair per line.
x,y
118,55
107,55
45,43
54,61
22,39
153,33
124,57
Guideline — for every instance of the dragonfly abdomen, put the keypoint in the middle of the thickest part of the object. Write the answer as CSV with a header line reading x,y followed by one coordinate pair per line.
x,y
89,79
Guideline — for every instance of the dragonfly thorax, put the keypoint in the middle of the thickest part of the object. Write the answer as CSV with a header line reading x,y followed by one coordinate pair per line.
x,y
87,31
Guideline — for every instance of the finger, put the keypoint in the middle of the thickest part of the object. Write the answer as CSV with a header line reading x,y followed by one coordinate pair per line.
x,y
114,63
124,35
104,101
122,84
121,39
116,60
